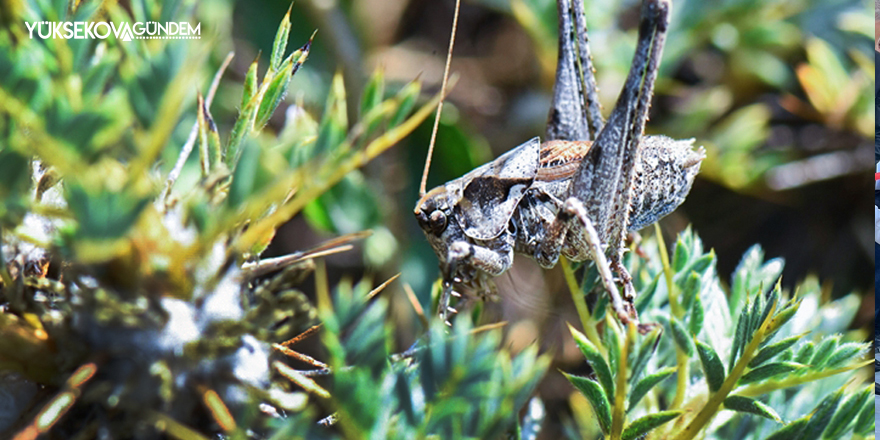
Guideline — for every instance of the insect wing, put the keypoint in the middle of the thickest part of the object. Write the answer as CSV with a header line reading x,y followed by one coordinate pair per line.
x,y
492,191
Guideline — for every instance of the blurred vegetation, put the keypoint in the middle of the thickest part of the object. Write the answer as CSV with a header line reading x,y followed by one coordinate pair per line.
x,y
148,292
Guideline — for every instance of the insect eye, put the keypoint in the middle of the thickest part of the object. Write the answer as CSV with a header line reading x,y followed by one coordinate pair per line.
x,y
438,222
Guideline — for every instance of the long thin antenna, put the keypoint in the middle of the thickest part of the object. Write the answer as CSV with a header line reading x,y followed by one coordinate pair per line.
x,y
440,105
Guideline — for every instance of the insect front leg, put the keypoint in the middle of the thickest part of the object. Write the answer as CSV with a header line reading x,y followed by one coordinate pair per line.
x,y
464,260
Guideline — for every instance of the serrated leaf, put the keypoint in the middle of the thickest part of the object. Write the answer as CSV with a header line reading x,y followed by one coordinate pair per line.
x,y
768,371
751,406
644,386
681,337
770,351
596,360
712,366
597,398
645,424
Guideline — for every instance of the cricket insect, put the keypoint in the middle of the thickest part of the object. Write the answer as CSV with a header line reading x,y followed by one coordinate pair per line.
x,y
578,193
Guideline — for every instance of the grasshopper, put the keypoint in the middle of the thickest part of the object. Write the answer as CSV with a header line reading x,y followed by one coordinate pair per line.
x,y
578,193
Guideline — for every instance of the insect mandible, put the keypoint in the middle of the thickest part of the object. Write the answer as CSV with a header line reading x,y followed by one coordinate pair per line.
x,y
576,194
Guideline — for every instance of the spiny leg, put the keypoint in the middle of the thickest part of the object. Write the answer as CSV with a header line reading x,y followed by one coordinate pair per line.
x,y
464,254
574,113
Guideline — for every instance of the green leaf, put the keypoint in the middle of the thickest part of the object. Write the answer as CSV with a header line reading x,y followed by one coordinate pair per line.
x,y
374,92
209,139
769,371
791,431
805,353
613,341
739,337
690,290
712,366
646,350
278,84
770,351
751,273
824,350
680,335
596,360
242,128
844,417
679,256
648,382
821,416
844,353
334,124
250,83
751,406
407,98
865,420
280,43
647,423
695,318
593,392
273,95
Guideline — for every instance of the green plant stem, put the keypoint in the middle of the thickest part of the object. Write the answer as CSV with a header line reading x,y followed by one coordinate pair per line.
x,y
580,304
768,387
715,400
618,412
680,357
